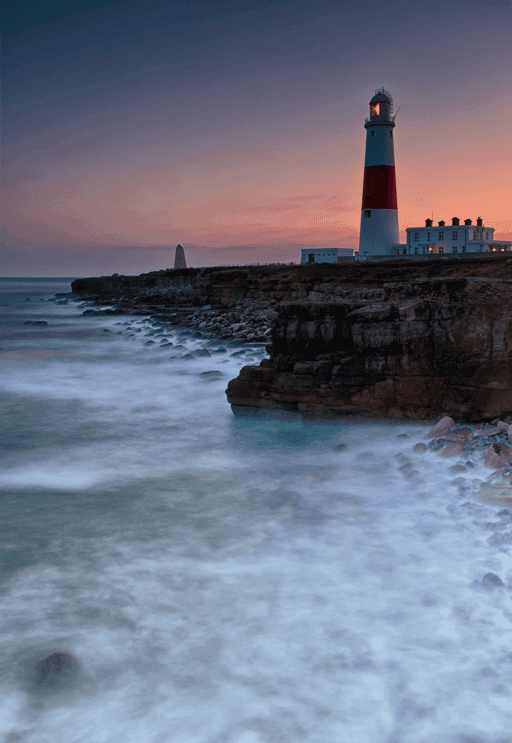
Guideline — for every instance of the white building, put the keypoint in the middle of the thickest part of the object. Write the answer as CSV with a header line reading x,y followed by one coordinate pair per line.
x,y
455,238
324,255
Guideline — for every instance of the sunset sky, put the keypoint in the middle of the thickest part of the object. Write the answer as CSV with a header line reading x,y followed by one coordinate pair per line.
x,y
236,127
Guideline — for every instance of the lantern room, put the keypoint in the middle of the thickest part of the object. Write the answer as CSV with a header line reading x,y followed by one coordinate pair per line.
x,y
381,106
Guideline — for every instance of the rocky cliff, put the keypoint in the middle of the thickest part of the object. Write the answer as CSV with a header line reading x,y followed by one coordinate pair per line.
x,y
394,339
415,349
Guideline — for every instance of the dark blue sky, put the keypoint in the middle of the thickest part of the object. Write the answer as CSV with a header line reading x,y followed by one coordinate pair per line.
x,y
236,128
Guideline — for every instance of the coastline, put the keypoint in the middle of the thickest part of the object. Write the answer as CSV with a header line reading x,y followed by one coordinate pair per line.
x,y
250,322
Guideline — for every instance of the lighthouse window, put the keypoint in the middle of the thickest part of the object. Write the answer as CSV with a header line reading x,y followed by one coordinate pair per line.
x,y
390,134
367,197
383,167
367,212
372,132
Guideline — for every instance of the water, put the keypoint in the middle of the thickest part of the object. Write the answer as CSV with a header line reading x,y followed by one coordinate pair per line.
x,y
223,580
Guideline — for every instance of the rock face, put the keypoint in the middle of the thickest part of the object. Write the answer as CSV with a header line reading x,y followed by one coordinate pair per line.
x,y
223,287
425,348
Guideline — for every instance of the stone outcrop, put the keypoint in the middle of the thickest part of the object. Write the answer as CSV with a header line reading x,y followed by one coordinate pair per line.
x,y
425,348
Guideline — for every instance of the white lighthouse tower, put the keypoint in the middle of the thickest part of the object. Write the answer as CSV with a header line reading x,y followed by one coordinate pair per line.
x,y
379,214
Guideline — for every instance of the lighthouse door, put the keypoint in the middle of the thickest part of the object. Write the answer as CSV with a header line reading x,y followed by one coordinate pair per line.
x,y
311,258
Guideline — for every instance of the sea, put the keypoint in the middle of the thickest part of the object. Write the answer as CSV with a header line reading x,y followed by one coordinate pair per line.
x,y
223,579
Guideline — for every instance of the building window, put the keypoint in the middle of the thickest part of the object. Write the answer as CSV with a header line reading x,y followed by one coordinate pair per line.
x,y
486,235
454,235
416,235
367,212
454,249
424,250
428,235
441,235
463,248
416,250
311,258
404,251
372,132
441,248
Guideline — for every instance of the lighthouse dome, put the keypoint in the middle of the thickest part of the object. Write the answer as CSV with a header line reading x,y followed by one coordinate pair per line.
x,y
381,96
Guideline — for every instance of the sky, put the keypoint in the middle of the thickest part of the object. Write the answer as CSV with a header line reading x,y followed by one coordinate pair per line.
x,y
236,128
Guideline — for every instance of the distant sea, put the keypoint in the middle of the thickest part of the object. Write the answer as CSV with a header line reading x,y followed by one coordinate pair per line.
x,y
225,580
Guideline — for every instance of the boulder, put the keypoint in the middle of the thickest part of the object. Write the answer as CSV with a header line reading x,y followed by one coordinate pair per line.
x,y
498,455
452,450
461,434
498,495
442,427
57,668
420,447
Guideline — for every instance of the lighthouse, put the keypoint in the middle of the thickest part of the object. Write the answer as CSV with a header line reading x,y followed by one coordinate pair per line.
x,y
379,213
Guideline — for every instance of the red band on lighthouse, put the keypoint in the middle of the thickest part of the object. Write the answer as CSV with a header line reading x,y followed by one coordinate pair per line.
x,y
379,187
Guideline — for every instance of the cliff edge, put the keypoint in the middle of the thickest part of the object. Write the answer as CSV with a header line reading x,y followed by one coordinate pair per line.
x,y
416,349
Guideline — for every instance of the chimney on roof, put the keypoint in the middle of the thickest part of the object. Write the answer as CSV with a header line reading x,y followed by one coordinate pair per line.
x,y
441,224
455,221
467,221
428,223
479,222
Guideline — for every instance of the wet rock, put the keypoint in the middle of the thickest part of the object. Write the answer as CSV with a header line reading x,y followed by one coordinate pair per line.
x,y
500,428
340,447
35,322
436,445
213,373
452,450
420,447
457,468
201,352
402,436
497,473
444,426
56,669
459,435
149,343
498,455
